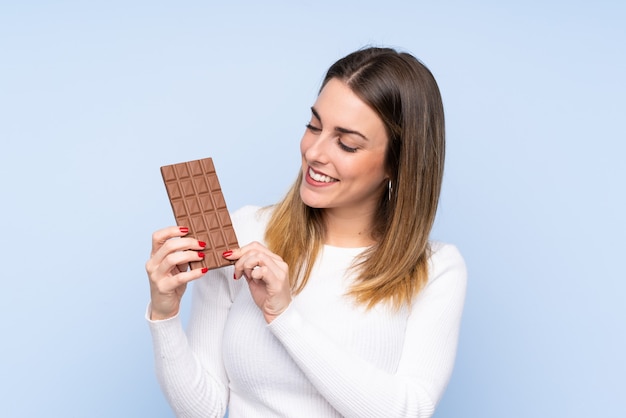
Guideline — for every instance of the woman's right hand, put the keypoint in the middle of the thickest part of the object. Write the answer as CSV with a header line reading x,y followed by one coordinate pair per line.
x,y
167,269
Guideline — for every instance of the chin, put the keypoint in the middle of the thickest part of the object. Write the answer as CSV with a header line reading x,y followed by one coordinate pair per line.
x,y
312,203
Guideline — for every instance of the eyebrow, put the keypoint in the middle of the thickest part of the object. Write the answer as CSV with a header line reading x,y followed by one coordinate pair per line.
x,y
339,129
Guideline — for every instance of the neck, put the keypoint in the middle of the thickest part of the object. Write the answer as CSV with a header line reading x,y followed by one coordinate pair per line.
x,y
348,229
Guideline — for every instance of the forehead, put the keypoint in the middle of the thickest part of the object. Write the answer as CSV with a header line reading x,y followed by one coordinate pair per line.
x,y
337,94
338,106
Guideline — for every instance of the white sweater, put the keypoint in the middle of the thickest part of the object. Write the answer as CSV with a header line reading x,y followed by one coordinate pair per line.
x,y
323,357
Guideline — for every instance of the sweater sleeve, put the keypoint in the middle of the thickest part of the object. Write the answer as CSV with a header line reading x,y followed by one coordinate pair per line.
x,y
189,365
357,388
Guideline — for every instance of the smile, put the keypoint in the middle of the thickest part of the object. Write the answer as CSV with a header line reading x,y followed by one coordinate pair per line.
x,y
321,177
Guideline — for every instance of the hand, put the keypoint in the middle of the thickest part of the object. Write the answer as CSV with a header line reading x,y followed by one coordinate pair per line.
x,y
267,276
167,269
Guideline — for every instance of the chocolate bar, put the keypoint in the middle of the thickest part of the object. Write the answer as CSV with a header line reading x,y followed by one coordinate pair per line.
x,y
198,203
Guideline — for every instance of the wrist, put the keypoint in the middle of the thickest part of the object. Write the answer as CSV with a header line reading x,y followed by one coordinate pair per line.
x,y
160,315
269,317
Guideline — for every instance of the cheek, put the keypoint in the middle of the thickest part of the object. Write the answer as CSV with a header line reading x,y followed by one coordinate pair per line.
x,y
372,168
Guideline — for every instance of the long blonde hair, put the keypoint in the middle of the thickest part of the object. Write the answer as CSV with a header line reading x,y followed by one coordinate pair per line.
x,y
404,93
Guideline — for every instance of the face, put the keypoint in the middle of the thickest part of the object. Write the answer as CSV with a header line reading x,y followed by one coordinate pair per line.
x,y
343,153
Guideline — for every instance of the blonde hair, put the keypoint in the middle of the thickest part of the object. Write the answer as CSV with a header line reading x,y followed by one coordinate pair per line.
x,y
404,93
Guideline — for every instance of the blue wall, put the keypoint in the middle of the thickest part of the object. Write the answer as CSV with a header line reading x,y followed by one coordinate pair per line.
x,y
95,96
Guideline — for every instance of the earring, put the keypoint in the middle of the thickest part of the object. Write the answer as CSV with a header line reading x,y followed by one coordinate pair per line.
x,y
390,189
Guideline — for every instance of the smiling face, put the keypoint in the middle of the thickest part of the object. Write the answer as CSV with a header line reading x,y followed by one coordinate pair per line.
x,y
343,153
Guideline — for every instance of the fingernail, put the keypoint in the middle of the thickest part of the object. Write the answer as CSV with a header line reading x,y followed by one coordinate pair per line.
x,y
204,269
227,253
202,244
201,255
183,229
234,276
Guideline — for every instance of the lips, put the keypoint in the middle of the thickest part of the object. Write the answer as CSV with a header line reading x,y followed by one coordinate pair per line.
x,y
321,178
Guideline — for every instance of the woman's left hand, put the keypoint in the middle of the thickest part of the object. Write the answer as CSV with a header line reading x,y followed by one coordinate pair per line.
x,y
267,275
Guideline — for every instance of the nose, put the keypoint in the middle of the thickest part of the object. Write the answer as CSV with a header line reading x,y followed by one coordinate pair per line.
x,y
315,148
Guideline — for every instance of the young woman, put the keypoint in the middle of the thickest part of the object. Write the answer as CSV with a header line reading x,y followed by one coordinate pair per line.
x,y
338,304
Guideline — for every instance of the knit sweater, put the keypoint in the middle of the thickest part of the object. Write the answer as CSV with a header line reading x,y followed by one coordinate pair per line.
x,y
325,356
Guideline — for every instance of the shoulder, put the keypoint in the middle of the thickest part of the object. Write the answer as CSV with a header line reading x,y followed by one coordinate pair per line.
x,y
447,262
250,223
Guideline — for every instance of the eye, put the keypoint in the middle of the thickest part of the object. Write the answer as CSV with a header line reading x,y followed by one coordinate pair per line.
x,y
313,129
345,147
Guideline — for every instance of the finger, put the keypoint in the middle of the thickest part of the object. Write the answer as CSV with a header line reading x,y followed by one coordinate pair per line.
x,y
160,236
181,258
174,245
249,256
234,254
258,273
250,260
237,253
163,264
260,265
170,284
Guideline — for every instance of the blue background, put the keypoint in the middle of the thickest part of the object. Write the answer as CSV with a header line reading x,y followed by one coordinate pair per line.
x,y
95,96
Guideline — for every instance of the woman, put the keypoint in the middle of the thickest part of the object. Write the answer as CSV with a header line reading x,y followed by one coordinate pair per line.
x,y
338,305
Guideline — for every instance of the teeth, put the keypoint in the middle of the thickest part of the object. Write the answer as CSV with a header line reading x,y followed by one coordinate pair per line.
x,y
319,177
